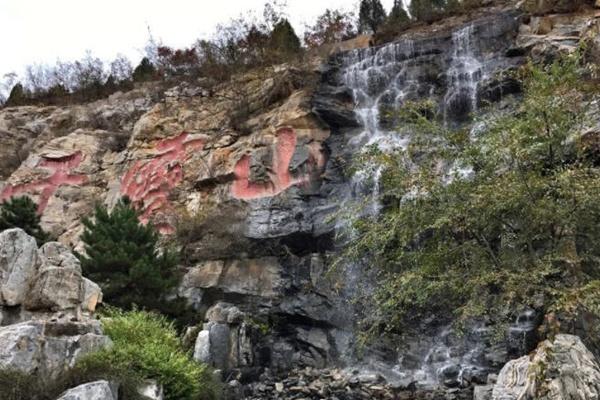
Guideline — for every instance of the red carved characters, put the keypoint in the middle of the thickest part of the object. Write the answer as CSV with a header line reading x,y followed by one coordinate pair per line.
x,y
148,182
60,169
280,176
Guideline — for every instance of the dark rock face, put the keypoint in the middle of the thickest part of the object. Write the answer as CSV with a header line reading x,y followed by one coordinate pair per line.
x,y
292,315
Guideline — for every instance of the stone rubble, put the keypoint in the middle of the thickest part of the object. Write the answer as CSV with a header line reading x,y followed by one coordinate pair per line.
x,y
333,384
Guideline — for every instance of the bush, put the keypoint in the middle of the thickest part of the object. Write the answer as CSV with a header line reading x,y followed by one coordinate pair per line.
x,y
21,212
521,226
123,257
17,385
147,344
330,27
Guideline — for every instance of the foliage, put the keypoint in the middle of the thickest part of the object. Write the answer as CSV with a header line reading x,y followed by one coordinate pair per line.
x,y
147,344
18,385
330,27
371,16
394,24
145,71
123,257
284,39
481,225
21,212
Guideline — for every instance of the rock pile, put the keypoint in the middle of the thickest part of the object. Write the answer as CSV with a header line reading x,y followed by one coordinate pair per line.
x,y
333,384
45,307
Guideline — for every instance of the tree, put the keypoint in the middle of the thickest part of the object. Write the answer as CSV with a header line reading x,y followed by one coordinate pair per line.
x,y
396,22
284,40
331,27
17,97
513,216
21,212
371,15
145,71
427,10
123,257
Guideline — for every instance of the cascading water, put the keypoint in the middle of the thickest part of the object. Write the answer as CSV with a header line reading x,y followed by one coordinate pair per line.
x,y
381,80
464,74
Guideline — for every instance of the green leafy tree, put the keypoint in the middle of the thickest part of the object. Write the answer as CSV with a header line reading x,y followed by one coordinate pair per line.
x,y
284,39
21,212
371,16
123,257
512,218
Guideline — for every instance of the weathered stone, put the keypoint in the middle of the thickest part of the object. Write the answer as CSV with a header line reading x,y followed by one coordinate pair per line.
x,y
560,369
99,390
48,348
151,390
91,295
56,288
202,347
18,266
253,277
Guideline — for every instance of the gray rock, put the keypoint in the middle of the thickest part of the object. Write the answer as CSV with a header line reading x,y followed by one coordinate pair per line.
x,y
559,370
99,390
56,254
48,348
18,265
56,288
151,390
482,392
202,347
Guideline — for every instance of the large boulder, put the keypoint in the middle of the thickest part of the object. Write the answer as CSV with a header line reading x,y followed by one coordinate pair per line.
x,y
99,390
225,340
18,265
48,348
58,284
561,369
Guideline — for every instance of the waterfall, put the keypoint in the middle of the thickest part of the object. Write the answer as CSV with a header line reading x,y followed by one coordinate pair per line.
x,y
464,74
381,80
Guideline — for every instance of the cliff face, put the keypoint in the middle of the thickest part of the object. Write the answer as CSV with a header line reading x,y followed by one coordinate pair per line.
x,y
255,172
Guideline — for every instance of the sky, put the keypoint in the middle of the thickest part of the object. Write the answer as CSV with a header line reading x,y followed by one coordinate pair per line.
x,y
42,31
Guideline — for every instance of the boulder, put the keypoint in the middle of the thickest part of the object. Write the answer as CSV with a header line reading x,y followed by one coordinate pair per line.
x,y
151,391
225,340
99,390
560,369
48,348
18,265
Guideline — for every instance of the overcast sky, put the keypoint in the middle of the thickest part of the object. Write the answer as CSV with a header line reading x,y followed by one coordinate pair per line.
x,y
42,31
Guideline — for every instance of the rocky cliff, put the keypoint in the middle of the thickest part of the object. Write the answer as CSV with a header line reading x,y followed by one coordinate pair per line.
x,y
254,173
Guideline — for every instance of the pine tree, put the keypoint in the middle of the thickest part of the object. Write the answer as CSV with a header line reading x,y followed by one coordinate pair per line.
x,y
122,256
284,39
398,15
21,212
145,71
17,96
427,10
371,16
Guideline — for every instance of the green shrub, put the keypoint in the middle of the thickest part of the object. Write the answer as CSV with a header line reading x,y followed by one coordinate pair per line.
x,y
123,257
17,385
21,212
147,344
